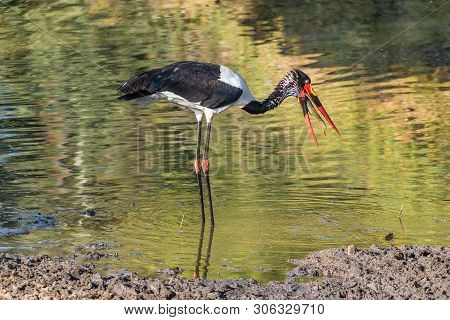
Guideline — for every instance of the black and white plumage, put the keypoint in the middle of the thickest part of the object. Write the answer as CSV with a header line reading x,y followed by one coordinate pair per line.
x,y
208,89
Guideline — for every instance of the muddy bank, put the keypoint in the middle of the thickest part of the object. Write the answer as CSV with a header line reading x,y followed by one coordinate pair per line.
x,y
407,272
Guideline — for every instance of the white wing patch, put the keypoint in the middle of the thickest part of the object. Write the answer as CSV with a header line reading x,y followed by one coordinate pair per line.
x,y
234,79
230,77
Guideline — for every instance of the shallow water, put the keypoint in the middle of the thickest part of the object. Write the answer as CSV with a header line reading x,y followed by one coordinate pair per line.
x,y
66,144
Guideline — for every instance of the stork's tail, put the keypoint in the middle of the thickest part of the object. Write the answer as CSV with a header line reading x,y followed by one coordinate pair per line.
x,y
136,87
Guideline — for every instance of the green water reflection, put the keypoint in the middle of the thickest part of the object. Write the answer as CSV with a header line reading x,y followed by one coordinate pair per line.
x,y
66,145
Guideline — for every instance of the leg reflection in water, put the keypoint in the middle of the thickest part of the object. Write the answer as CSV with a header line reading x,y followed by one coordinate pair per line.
x,y
199,252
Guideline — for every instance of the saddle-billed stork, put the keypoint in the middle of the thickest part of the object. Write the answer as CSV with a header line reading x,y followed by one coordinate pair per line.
x,y
208,89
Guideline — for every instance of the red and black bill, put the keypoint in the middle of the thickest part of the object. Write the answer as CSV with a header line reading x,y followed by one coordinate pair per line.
x,y
306,95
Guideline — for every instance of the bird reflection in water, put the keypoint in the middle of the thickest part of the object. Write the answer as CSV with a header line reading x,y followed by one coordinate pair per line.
x,y
198,263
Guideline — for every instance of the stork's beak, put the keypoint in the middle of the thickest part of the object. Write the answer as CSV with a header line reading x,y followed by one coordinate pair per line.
x,y
303,102
312,96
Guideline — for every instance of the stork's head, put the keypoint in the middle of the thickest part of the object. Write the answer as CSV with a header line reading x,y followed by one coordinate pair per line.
x,y
308,99
295,83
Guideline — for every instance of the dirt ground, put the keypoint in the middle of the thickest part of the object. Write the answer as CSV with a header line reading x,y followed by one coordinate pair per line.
x,y
407,272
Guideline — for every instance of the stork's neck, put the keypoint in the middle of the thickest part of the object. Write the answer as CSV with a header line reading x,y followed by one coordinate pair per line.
x,y
288,86
271,102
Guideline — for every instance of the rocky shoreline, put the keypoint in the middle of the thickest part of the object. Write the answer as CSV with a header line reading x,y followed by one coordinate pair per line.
x,y
406,272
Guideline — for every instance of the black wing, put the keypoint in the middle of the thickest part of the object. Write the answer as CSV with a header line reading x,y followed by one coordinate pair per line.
x,y
196,82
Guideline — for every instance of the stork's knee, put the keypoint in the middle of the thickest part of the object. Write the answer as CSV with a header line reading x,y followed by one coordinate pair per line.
x,y
197,166
205,166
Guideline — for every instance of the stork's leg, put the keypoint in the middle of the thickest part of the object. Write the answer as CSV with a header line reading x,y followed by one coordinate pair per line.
x,y
197,165
205,165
